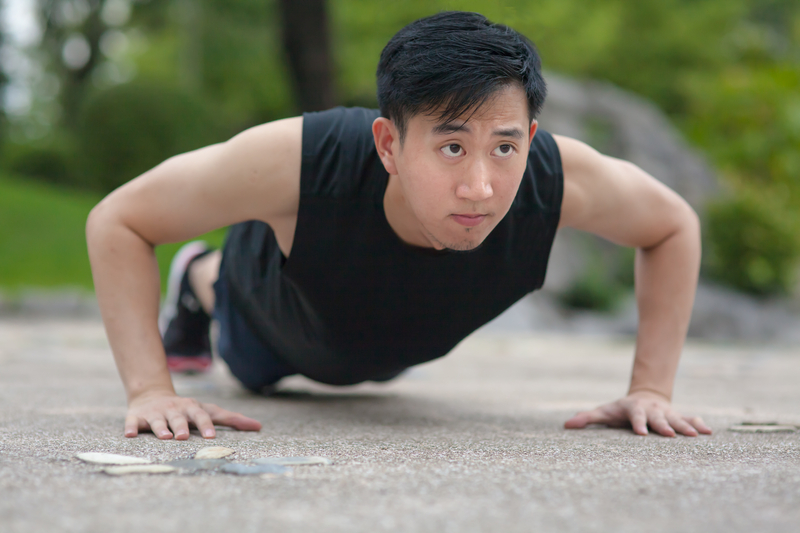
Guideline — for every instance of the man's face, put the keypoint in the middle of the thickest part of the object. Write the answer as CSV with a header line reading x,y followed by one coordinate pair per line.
x,y
460,179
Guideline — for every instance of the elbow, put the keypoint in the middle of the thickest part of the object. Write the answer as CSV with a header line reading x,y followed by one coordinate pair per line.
x,y
103,224
691,222
689,233
97,220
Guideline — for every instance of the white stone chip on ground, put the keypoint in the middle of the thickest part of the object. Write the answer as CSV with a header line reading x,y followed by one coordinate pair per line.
x,y
111,459
213,452
293,461
139,469
769,428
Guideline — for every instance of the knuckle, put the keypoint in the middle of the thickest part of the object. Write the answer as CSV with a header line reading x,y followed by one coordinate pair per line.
x,y
199,416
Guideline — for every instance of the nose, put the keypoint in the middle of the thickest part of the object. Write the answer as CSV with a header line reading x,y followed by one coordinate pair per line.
x,y
476,183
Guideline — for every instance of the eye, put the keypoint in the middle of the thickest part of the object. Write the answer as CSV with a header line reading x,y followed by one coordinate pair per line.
x,y
504,150
453,150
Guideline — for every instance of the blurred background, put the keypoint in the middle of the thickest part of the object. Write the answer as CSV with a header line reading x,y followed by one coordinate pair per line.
x,y
704,94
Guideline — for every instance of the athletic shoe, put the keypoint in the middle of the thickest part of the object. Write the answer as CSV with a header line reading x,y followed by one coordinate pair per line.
x,y
183,322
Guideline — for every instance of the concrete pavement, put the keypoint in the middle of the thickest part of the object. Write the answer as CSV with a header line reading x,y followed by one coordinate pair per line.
x,y
471,442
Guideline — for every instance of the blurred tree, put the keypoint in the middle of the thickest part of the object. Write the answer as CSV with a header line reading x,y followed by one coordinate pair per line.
x,y
128,129
306,42
3,116
72,33
727,71
225,51
191,58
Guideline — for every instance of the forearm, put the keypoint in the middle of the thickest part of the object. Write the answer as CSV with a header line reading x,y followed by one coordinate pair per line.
x,y
666,281
127,284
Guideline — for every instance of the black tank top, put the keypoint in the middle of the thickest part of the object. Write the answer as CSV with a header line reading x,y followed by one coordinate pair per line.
x,y
354,302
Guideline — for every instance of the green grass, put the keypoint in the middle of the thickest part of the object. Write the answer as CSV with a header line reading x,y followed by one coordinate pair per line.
x,y
42,240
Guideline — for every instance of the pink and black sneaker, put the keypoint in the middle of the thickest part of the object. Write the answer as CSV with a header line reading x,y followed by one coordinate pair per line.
x,y
183,322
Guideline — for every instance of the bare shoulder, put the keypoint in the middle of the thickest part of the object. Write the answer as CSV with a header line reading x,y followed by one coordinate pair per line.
x,y
265,161
253,176
616,199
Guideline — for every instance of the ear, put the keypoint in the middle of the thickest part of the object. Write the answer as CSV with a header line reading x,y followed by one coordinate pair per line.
x,y
534,127
386,141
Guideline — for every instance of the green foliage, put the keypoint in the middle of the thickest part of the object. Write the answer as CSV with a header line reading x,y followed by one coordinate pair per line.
x,y
41,235
608,277
51,162
753,245
42,238
749,120
130,128
727,72
240,64
593,292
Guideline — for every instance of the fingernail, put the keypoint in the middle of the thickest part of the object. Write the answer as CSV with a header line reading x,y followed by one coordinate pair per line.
x,y
208,433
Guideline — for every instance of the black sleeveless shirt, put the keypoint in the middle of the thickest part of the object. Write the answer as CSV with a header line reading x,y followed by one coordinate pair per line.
x,y
354,302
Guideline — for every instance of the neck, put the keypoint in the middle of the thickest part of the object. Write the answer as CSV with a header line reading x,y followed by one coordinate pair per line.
x,y
401,218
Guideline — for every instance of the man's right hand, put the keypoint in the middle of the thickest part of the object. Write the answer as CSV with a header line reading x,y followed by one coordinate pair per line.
x,y
163,411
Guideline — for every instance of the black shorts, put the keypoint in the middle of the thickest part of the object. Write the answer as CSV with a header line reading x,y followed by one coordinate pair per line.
x,y
250,361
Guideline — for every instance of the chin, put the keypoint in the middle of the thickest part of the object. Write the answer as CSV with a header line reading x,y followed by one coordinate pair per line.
x,y
460,245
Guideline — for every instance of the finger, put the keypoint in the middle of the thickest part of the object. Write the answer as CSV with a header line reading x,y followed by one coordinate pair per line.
x,y
224,417
660,425
699,425
583,419
159,427
179,425
638,419
202,422
681,426
131,426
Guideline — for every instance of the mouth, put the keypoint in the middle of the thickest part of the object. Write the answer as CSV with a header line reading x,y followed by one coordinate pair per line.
x,y
468,220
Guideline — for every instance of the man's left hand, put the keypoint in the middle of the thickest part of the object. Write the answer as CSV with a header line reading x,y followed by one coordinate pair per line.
x,y
641,409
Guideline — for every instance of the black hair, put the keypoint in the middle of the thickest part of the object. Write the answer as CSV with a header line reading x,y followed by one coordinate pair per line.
x,y
452,63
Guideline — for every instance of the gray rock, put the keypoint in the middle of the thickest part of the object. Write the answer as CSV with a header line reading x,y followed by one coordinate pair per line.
x,y
293,461
196,465
724,314
719,314
250,470
625,125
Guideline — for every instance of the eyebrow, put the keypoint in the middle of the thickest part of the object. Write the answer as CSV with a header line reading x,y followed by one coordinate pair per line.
x,y
448,128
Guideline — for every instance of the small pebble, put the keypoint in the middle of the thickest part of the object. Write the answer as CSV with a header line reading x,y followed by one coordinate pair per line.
x,y
195,465
111,459
769,428
139,469
293,461
213,452
249,470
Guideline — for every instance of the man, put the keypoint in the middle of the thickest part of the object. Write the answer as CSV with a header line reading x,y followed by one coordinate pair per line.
x,y
364,243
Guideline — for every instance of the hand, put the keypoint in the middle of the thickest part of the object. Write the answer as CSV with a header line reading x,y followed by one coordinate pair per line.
x,y
640,409
162,411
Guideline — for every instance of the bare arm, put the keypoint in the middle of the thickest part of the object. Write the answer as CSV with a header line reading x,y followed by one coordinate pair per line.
x,y
255,175
618,201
